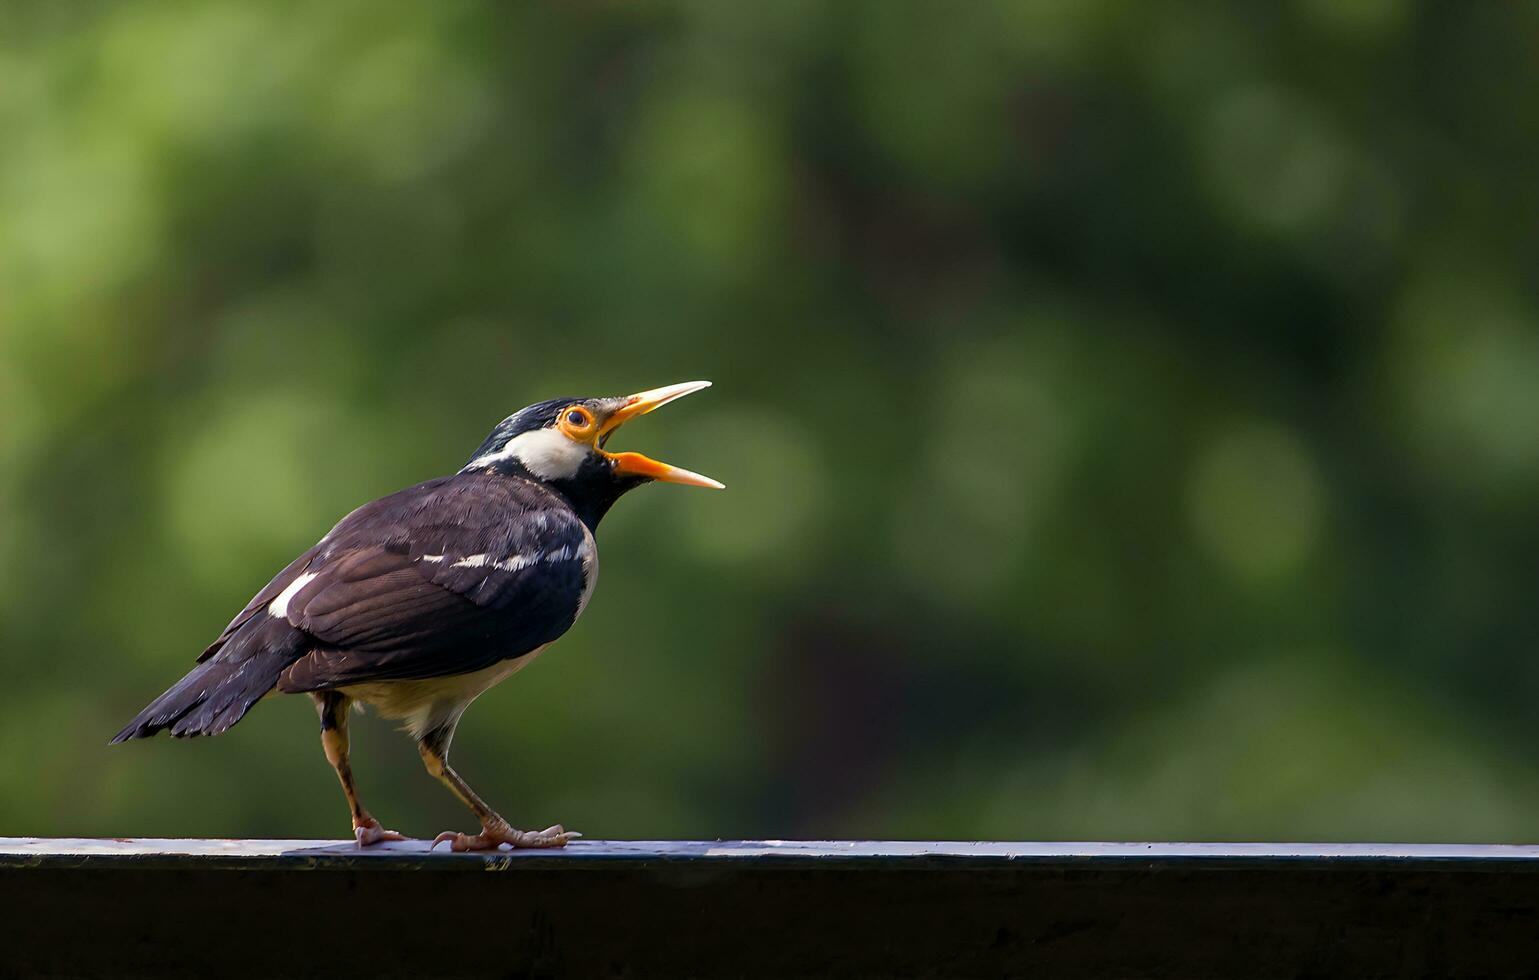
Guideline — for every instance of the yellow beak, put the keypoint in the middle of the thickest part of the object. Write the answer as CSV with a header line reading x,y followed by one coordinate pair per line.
x,y
635,464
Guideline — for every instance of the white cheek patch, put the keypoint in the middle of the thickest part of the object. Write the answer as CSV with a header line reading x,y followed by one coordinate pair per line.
x,y
279,607
546,453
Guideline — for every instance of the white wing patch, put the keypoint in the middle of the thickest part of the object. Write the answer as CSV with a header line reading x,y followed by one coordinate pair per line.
x,y
279,607
512,563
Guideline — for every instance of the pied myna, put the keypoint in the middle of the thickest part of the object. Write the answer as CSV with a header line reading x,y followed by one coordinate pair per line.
x,y
420,601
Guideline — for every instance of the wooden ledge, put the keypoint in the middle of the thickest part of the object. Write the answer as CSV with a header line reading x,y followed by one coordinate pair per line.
x,y
213,853
635,909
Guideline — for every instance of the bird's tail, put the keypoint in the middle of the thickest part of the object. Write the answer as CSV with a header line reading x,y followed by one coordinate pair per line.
x,y
218,692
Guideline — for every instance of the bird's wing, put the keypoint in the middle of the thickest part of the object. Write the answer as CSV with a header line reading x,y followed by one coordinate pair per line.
x,y
260,601
444,578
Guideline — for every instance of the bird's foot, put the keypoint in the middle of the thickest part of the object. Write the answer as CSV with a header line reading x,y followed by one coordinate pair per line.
x,y
368,831
494,835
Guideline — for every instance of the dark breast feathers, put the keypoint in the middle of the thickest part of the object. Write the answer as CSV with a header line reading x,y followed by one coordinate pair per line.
x,y
447,577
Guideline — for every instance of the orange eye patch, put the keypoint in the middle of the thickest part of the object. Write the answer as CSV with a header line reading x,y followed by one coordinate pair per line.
x,y
576,422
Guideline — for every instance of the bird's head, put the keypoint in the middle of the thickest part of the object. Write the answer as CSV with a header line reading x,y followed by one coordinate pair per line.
x,y
560,442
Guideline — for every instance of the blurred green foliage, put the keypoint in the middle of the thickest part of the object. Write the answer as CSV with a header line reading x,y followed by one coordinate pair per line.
x,y
1130,412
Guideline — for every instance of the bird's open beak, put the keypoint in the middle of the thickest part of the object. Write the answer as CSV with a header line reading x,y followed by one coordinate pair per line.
x,y
635,464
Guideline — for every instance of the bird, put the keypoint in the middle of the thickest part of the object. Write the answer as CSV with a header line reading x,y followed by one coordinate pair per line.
x,y
419,602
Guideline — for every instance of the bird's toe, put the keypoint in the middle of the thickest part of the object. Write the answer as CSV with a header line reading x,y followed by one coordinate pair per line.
x,y
492,838
373,833
552,836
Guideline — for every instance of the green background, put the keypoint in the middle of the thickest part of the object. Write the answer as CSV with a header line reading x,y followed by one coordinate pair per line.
x,y
1130,412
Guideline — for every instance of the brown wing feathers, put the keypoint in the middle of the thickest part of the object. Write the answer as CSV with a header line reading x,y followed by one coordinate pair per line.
x,y
447,577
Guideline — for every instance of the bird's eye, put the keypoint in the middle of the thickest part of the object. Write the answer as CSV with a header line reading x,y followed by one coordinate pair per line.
x,y
576,419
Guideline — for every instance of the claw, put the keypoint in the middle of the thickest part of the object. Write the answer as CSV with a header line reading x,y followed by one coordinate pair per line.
x,y
449,836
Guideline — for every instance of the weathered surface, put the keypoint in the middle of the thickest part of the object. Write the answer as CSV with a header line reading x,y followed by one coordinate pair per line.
x,y
767,909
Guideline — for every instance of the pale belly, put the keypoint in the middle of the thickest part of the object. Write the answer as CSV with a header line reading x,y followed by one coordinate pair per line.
x,y
429,704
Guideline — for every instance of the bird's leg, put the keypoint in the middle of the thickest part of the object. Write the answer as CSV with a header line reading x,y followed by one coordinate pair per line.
x,y
434,749
333,709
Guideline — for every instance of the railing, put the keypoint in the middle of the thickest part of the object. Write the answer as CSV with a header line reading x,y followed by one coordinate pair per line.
x,y
213,908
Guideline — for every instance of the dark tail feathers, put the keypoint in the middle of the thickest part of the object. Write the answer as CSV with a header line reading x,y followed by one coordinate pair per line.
x,y
219,691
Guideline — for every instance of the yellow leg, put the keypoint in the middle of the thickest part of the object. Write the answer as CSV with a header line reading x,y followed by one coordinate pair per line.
x,y
434,749
333,709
